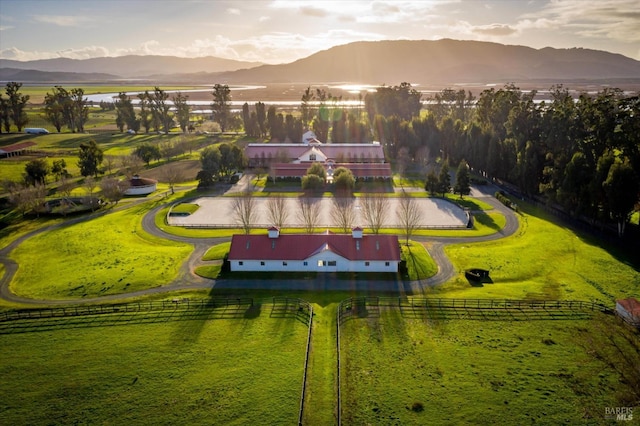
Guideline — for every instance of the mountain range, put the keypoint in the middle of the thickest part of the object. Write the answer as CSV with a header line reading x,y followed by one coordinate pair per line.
x,y
380,62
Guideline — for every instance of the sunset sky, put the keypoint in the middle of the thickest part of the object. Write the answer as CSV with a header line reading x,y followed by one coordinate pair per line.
x,y
283,31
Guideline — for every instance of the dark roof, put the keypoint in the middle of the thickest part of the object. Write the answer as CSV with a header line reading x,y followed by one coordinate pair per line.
x,y
16,147
140,181
303,246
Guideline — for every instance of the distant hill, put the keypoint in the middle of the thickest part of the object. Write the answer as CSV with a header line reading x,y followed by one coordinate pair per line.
x,y
444,62
132,66
27,76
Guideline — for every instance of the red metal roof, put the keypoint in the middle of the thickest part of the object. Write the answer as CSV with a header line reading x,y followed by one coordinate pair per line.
x,y
16,147
303,246
350,152
630,305
359,170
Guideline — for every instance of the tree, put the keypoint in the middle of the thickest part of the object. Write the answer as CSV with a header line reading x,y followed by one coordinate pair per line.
x,y
182,110
444,180
26,198
145,110
431,184
16,104
408,214
343,213
90,158
306,110
343,181
318,170
210,160
36,172
90,185
231,159
147,152
160,110
59,169
375,208
221,106
5,117
125,113
79,110
622,189
130,165
172,175
54,108
113,189
312,183
402,101
277,210
244,210
463,180
309,213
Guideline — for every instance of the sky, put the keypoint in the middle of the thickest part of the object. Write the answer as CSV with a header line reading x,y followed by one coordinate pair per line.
x,y
284,31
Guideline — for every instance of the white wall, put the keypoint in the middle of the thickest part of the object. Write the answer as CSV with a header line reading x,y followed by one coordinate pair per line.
x,y
342,265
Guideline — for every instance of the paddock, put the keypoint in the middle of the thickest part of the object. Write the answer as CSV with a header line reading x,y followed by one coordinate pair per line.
x,y
218,212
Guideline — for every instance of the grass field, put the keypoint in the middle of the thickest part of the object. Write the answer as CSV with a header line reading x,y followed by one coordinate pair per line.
x,y
544,260
413,372
157,369
107,255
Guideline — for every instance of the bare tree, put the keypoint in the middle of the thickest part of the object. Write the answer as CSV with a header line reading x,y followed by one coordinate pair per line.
x,y
343,213
244,211
309,213
277,210
27,198
172,175
109,163
90,184
131,165
375,208
113,189
409,215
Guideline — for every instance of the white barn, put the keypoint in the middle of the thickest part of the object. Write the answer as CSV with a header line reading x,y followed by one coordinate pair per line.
x,y
315,252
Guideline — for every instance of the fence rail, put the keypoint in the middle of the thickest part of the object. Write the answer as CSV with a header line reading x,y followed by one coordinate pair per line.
x,y
162,305
468,308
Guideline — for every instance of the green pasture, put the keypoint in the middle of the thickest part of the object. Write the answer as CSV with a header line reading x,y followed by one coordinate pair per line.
x,y
107,255
544,260
420,265
410,371
37,93
155,368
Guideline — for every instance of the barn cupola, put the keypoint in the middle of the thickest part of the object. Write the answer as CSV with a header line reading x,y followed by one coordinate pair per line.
x,y
274,232
356,232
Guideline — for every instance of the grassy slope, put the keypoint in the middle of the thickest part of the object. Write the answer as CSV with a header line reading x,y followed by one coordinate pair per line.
x,y
544,260
471,372
107,255
231,371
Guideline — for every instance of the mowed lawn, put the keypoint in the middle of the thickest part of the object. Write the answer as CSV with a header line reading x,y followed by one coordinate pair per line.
x,y
108,255
414,372
185,371
544,260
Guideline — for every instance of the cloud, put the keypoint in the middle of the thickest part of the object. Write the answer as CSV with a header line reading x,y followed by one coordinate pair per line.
x,y
6,27
494,30
61,20
16,54
84,53
601,19
233,11
314,11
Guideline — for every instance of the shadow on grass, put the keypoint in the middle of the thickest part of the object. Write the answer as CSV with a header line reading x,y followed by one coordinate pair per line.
x,y
486,220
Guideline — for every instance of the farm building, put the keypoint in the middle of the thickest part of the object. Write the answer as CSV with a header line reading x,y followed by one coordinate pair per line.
x,y
16,149
629,310
365,160
325,252
141,186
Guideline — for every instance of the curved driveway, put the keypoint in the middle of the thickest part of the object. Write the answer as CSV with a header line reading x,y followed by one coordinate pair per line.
x,y
187,279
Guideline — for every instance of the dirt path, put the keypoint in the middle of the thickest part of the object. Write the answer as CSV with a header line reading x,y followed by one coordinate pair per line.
x,y
187,279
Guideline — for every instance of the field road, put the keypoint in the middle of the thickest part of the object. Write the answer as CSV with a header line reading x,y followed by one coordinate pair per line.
x,y
187,279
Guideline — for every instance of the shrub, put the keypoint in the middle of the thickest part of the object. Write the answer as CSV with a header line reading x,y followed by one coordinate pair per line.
x,y
417,407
